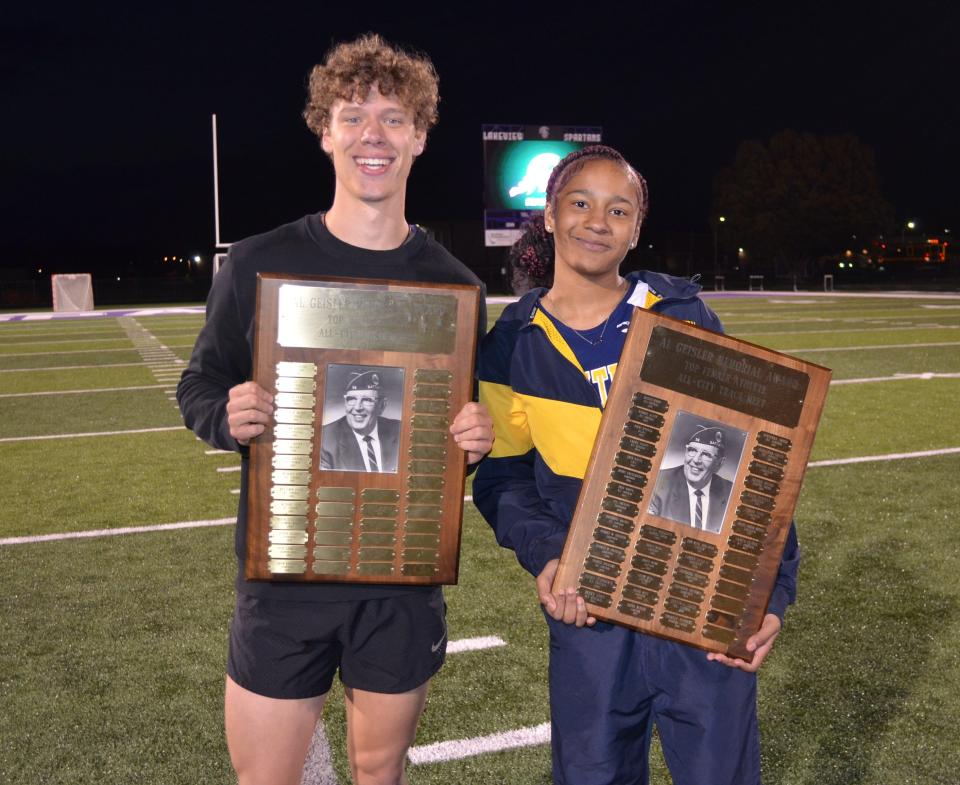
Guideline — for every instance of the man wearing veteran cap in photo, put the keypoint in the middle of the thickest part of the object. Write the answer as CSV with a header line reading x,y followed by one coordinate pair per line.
x,y
694,493
361,440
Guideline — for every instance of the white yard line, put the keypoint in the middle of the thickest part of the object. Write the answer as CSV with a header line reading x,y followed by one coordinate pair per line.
x,y
897,378
223,521
69,367
896,456
161,527
86,435
475,644
467,748
83,392
800,333
874,346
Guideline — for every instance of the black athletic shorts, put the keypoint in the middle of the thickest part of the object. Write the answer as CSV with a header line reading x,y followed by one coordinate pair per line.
x,y
283,649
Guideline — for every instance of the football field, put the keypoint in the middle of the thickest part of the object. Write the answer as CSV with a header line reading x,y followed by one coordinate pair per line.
x,y
117,567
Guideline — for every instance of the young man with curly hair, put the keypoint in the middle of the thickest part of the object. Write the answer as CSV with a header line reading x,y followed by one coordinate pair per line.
x,y
371,105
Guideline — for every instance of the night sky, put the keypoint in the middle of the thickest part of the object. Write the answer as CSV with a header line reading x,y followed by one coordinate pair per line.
x,y
106,154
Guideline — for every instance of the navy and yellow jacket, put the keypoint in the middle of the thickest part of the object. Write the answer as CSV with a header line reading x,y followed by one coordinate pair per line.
x,y
546,415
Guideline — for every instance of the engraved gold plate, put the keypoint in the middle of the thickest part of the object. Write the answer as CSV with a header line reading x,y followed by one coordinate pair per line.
x,y
288,522
286,566
292,447
435,421
333,538
379,495
335,494
426,451
287,477
331,567
331,554
301,416
288,537
296,384
375,568
287,551
422,527
286,368
278,507
334,524
425,482
294,400
292,431
292,492
299,462
335,509
430,406
430,376
378,524
314,317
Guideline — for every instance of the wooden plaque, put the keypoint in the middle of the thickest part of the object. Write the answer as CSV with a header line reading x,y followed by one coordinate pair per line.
x,y
358,479
687,404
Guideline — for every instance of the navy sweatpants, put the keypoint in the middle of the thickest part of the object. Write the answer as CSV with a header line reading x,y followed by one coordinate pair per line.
x,y
608,686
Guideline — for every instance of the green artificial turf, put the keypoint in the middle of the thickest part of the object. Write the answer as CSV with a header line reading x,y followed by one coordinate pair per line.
x,y
112,649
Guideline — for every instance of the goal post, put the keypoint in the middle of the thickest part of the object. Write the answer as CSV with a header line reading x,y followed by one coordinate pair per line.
x,y
72,292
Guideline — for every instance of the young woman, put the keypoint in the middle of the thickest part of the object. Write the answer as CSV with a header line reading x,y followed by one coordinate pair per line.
x,y
545,371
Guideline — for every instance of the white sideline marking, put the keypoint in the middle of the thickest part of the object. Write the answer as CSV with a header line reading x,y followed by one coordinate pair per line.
x,y
228,469
68,367
860,330
160,527
475,644
897,378
225,521
896,456
877,346
217,452
83,392
467,748
82,435
130,349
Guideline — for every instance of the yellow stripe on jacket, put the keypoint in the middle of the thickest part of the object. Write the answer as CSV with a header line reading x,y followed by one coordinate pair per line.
x,y
562,432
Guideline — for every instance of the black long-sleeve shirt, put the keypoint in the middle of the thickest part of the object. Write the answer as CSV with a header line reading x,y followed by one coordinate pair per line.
x,y
223,355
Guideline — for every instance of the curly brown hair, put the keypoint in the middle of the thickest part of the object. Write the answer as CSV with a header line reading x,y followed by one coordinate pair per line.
x,y
352,68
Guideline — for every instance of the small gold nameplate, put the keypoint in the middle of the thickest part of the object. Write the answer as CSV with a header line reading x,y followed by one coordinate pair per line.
x,y
300,462
302,416
334,524
288,522
287,477
291,447
295,384
335,494
294,400
379,495
292,431
288,537
286,368
292,492
287,551
336,509
286,566
278,507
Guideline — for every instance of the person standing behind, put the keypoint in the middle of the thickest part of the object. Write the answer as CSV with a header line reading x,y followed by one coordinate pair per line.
x,y
545,370
371,105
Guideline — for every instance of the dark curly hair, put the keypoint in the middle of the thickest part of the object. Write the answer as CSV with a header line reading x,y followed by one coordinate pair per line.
x,y
351,69
531,258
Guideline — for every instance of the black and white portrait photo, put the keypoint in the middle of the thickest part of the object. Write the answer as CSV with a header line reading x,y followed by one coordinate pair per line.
x,y
361,418
696,477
